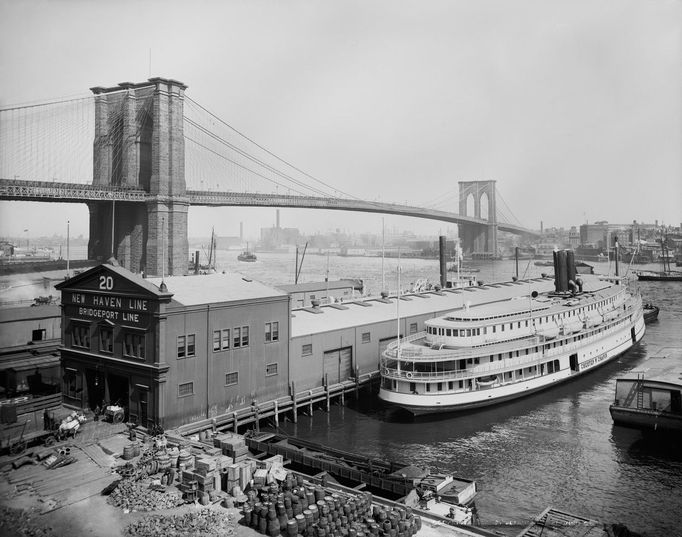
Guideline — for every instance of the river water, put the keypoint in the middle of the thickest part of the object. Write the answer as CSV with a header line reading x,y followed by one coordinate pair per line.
x,y
558,448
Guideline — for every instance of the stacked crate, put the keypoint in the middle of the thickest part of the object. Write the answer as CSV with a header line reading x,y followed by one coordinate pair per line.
x,y
232,445
205,474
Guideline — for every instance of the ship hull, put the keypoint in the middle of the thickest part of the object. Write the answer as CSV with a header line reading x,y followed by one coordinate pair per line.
x,y
646,420
593,355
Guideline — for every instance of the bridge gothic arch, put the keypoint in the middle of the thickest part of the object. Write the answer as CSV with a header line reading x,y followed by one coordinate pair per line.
x,y
477,199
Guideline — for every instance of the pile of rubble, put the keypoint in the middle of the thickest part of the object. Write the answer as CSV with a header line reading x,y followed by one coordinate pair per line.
x,y
136,496
22,523
204,523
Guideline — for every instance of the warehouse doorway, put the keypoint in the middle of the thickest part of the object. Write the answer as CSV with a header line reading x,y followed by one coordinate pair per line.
x,y
119,391
95,385
338,365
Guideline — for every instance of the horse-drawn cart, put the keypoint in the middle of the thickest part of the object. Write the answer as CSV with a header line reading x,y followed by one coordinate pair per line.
x,y
15,439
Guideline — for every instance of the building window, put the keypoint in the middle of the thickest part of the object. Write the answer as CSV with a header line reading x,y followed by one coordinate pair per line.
x,y
73,384
185,389
81,336
133,345
237,332
106,339
307,349
366,337
245,336
38,335
270,370
413,328
232,379
221,339
271,332
186,345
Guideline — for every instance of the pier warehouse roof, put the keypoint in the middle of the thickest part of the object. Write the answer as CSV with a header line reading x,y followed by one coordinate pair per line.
x,y
214,288
309,321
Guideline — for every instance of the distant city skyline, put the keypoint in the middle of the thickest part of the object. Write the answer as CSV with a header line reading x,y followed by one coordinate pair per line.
x,y
573,108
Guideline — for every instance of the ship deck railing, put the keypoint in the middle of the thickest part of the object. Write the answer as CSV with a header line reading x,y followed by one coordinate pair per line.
x,y
559,346
413,352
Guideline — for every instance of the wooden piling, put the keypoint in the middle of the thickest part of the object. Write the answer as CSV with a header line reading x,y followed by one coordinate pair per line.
x,y
326,389
293,398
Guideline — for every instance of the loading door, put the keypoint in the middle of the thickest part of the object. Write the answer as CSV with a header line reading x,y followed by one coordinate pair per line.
x,y
383,343
338,364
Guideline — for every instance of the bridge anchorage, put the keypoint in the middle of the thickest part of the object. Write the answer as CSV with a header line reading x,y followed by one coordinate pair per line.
x,y
138,197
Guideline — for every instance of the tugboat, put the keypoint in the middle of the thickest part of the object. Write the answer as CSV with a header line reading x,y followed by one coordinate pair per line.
x,y
247,255
650,313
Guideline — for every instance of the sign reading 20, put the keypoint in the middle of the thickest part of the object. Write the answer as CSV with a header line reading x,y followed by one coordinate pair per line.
x,y
106,283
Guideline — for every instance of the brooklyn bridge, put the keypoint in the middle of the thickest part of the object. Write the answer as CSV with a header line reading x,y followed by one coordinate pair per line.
x,y
140,154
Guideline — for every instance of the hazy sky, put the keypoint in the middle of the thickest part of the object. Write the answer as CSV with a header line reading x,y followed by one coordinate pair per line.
x,y
573,107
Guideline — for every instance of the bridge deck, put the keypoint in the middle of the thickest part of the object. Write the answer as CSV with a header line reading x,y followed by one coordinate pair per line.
x,y
46,191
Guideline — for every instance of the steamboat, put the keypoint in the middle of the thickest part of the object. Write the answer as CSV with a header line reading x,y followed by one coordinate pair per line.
x,y
507,348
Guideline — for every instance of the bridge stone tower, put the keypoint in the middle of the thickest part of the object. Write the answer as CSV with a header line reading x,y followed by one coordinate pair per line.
x,y
478,238
139,143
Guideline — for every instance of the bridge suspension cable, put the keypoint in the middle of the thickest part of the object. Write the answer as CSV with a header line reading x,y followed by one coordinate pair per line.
x,y
49,140
505,211
202,116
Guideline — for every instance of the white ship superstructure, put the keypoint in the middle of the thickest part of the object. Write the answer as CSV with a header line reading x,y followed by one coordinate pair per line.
x,y
502,349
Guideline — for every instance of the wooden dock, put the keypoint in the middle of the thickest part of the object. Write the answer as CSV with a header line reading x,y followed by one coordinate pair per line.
x,y
284,407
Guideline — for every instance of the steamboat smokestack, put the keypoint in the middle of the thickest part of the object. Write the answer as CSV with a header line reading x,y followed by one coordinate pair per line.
x,y
563,272
570,265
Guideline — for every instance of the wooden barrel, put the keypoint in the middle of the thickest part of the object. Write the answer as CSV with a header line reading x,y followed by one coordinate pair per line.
x,y
273,528
292,528
128,452
309,520
163,460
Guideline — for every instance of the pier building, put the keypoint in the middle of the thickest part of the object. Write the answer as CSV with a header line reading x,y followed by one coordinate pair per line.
x,y
173,350
304,294
29,357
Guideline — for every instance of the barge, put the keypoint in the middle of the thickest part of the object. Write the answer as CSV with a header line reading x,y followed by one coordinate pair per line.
x,y
445,495
650,398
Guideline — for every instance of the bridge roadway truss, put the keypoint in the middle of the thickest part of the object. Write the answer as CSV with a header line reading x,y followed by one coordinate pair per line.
x,y
47,191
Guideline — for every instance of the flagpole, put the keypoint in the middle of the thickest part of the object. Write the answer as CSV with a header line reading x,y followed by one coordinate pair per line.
x,y
398,312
